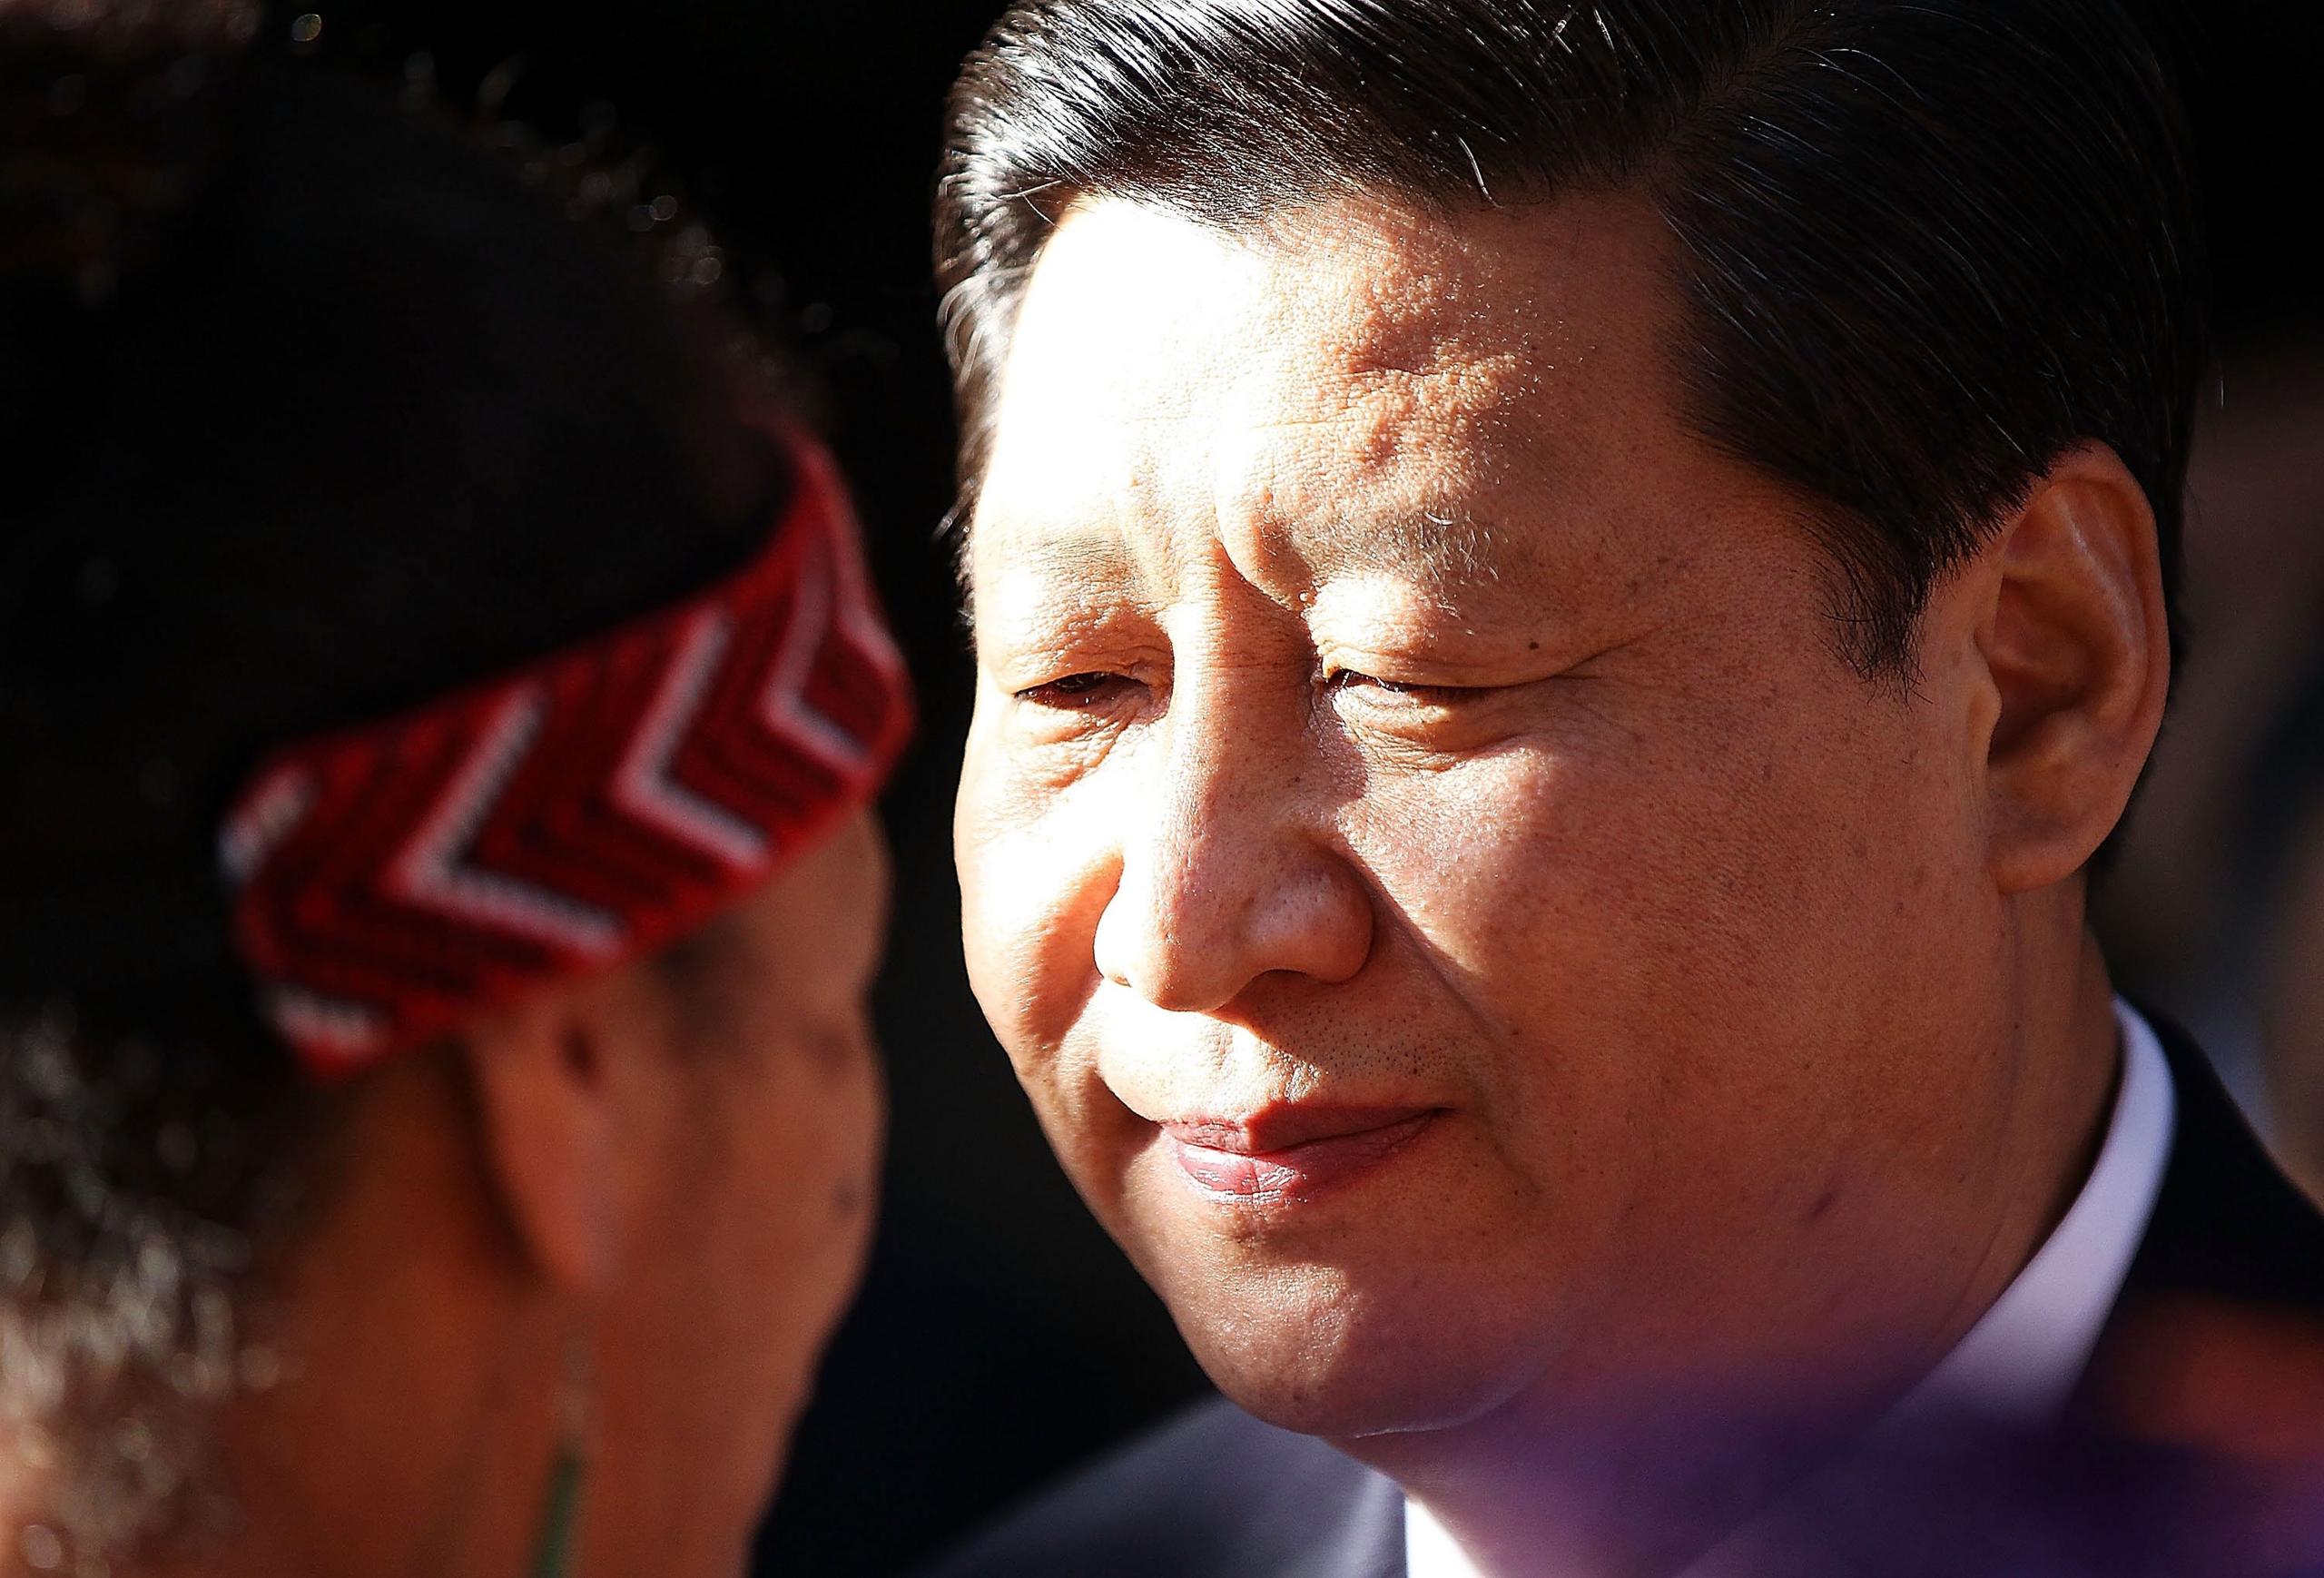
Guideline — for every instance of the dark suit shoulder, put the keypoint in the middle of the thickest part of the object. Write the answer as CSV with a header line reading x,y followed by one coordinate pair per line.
x,y
2228,1225
1211,1493
2217,1341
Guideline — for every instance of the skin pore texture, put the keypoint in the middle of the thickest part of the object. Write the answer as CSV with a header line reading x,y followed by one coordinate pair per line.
x,y
674,1163
1387,704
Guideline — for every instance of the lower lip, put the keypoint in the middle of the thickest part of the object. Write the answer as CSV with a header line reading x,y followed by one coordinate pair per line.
x,y
1296,1171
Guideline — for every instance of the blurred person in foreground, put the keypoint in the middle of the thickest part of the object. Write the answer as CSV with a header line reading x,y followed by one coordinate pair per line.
x,y
1567,599
439,1122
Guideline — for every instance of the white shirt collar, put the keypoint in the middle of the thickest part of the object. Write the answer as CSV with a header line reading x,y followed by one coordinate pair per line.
x,y
2022,1358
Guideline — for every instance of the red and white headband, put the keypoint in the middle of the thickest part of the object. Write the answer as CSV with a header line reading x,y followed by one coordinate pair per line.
x,y
394,881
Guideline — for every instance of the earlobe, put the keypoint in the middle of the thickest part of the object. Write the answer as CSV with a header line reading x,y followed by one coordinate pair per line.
x,y
2076,643
546,1121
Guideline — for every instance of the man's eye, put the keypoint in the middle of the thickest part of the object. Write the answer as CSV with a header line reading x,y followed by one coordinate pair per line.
x,y
1075,692
1432,694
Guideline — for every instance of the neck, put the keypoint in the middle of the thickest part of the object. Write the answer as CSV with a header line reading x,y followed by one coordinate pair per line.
x,y
412,1426
1579,1474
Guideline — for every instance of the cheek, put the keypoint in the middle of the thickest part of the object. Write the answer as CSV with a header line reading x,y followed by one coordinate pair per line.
x,y
743,1275
1663,923
1036,862
1510,878
816,1144
785,1150
1733,826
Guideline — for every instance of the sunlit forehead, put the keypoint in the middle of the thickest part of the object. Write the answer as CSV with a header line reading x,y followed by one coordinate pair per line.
x,y
1122,330
1348,393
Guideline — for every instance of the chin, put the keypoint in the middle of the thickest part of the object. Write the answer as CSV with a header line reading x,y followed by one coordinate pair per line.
x,y
1324,1359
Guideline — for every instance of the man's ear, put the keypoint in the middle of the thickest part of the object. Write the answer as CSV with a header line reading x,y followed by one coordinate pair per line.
x,y
2074,643
548,1121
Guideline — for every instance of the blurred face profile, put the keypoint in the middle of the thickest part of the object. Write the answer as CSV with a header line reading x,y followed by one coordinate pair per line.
x,y
754,1219
1466,930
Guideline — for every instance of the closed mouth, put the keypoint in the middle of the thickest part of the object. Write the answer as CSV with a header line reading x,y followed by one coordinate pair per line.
x,y
1290,1152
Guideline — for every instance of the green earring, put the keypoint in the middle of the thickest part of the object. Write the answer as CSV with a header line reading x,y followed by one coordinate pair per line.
x,y
560,1514
554,1548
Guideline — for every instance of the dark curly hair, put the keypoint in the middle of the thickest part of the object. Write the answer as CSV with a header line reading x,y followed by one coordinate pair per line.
x,y
311,405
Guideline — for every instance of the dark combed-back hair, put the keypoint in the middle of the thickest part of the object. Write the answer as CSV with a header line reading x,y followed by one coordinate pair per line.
x,y
1925,248
313,407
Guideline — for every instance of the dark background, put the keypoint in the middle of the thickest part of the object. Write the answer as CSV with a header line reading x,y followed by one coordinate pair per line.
x,y
1000,1336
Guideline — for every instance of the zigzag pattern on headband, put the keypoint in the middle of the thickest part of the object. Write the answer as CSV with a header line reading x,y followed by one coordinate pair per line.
x,y
392,881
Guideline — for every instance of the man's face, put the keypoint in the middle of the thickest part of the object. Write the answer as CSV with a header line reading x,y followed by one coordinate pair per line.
x,y
1466,931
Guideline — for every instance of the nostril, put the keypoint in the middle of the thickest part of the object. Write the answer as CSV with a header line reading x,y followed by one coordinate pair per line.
x,y
1124,944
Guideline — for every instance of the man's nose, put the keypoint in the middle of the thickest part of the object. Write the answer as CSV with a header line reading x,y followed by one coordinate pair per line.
x,y
1228,872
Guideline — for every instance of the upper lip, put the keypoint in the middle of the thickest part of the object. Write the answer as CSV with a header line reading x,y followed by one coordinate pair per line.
x,y
1284,1125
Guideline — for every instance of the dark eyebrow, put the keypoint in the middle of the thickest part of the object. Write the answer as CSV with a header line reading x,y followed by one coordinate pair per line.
x,y
1060,557
1444,544
1087,555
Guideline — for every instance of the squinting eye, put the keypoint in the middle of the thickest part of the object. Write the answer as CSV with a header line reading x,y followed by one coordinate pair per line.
x,y
1075,692
1349,679
1441,695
